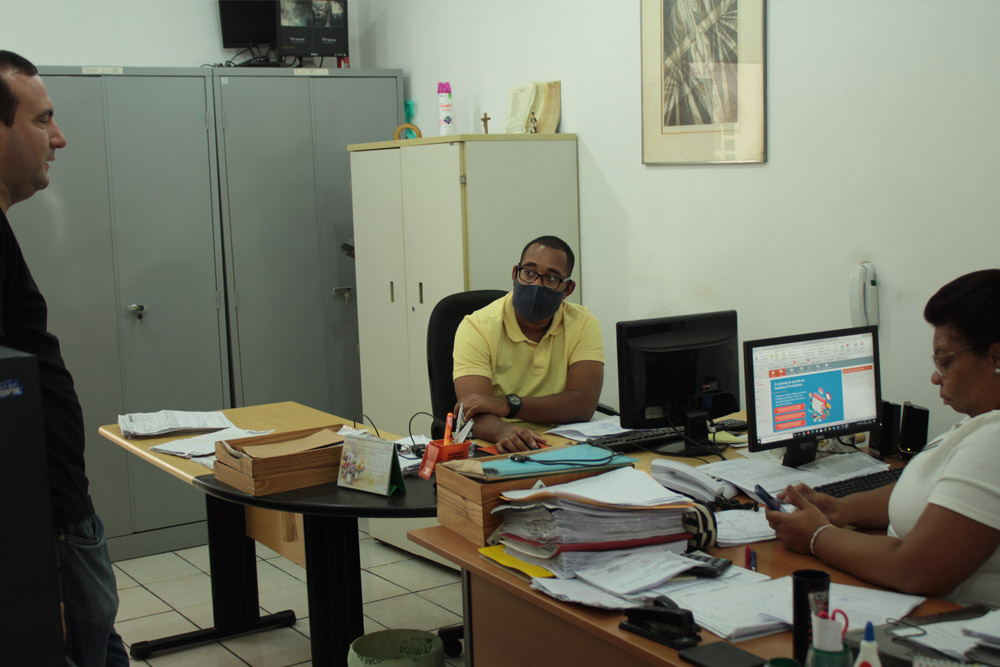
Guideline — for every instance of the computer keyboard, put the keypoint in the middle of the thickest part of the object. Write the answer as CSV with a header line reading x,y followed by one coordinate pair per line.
x,y
874,480
642,439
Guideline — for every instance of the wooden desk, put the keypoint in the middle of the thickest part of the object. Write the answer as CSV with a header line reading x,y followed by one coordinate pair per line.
x,y
502,611
332,556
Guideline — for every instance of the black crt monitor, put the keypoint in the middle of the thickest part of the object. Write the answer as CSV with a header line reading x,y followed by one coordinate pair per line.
x,y
312,28
810,387
247,23
678,371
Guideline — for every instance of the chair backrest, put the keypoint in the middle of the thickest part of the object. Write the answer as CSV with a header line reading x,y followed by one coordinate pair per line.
x,y
445,318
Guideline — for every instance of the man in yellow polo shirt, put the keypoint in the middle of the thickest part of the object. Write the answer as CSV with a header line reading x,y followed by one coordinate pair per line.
x,y
530,356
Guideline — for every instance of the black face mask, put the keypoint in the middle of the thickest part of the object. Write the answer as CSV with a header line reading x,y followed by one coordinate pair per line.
x,y
536,303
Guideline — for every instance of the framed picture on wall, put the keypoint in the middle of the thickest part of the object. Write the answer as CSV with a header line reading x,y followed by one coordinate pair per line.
x,y
702,81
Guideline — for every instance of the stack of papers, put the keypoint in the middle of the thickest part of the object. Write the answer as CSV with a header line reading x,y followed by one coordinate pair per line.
x,y
736,527
622,488
147,424
202,445
565,564
957,638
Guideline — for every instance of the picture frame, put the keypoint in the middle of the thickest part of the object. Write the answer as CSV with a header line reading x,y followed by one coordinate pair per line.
x,y
703,81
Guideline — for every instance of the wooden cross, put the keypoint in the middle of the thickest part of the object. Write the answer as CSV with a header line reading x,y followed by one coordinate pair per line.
x,y
486,123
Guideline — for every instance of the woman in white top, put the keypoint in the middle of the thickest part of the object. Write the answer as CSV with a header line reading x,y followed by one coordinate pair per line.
x,y
943,515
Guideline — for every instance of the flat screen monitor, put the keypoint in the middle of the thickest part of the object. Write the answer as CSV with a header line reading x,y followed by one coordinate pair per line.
x,y
247,23
810,387
312,28
678,370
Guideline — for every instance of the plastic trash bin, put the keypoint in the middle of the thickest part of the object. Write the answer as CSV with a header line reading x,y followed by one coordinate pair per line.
x,y
397,648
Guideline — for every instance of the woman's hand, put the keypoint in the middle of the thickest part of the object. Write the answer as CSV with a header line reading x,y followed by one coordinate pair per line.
x,y
832,508
796,529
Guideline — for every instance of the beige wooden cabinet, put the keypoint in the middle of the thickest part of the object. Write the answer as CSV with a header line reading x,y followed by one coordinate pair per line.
x,y
437,216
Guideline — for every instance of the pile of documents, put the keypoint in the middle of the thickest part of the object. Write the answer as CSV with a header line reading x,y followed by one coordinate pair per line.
x,y
976,639
148,424
615,530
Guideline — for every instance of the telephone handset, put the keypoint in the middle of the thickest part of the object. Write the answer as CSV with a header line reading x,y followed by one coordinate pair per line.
x,y
687,479
864,295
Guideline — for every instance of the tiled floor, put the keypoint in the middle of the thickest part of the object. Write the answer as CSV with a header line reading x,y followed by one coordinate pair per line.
x,y
169,593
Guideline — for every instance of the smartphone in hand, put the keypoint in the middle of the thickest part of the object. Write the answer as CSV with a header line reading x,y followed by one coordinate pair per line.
x,y
767,498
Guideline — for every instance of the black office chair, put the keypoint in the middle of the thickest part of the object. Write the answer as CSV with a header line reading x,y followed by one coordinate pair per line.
x,y
445,318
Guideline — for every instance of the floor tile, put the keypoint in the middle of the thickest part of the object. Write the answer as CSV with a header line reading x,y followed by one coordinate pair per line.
x,y
375,553
201,615
265,552
302,626
271,648
288,566
376,588
153,627
416,574
270,577
137,602
448,596
122,579
410,611
372,625
292,597
197,556
148,569
184,591
206,655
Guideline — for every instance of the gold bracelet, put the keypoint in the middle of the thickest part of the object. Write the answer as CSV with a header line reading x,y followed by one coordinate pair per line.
x,y
812,540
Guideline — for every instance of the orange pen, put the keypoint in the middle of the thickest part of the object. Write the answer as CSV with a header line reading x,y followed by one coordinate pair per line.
x,y
447,428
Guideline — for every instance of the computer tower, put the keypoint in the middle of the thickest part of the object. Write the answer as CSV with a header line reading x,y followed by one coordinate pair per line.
x,y
31,632
912,430
885,440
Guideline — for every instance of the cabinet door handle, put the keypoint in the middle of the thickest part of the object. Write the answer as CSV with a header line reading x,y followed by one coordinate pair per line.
x,y
421,286
392,292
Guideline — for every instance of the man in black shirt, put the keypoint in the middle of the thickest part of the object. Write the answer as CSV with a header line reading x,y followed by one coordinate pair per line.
x,y
29,137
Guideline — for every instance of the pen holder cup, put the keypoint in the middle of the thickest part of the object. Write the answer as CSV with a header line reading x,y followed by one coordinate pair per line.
x,y
810,595
438,452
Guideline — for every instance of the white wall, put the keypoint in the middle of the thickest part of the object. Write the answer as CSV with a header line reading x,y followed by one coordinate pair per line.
x,y
881,145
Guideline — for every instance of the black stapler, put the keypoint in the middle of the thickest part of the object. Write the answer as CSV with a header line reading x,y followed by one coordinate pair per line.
x,y
664,622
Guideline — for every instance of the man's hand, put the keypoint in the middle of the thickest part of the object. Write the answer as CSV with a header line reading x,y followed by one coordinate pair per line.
x,y
478,404
511,438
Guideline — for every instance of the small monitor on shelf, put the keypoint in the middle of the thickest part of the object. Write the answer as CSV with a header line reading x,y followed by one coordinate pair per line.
x,y
248,23
810,387
678,371
312,28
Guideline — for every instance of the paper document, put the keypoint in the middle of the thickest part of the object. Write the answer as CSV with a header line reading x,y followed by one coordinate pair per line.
x,y
734,576
623,487
737,527
574,590
204,444
635,572
732,611
745,474
581,431
860,604
144,424
946,638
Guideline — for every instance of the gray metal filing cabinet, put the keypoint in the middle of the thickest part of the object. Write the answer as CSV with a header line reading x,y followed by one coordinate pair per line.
x,y
216,199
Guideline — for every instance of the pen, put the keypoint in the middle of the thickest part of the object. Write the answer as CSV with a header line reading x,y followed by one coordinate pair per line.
x,y
753,560
746,557
447,429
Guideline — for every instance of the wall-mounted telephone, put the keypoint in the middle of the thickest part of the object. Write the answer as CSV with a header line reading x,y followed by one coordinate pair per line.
x,y
864,295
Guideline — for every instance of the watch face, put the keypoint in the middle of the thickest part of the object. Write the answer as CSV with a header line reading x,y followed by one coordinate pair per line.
x,y
514,399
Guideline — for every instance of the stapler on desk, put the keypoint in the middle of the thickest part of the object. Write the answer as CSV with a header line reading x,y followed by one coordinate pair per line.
x,y
663,622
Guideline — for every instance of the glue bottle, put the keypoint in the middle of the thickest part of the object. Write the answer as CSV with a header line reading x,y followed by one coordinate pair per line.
x,y
868,649
445,111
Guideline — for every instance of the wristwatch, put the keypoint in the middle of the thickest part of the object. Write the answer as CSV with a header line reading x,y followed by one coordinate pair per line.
x,y
514,403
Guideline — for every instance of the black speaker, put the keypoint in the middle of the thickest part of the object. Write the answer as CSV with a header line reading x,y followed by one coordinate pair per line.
x,y
885,440
912,429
